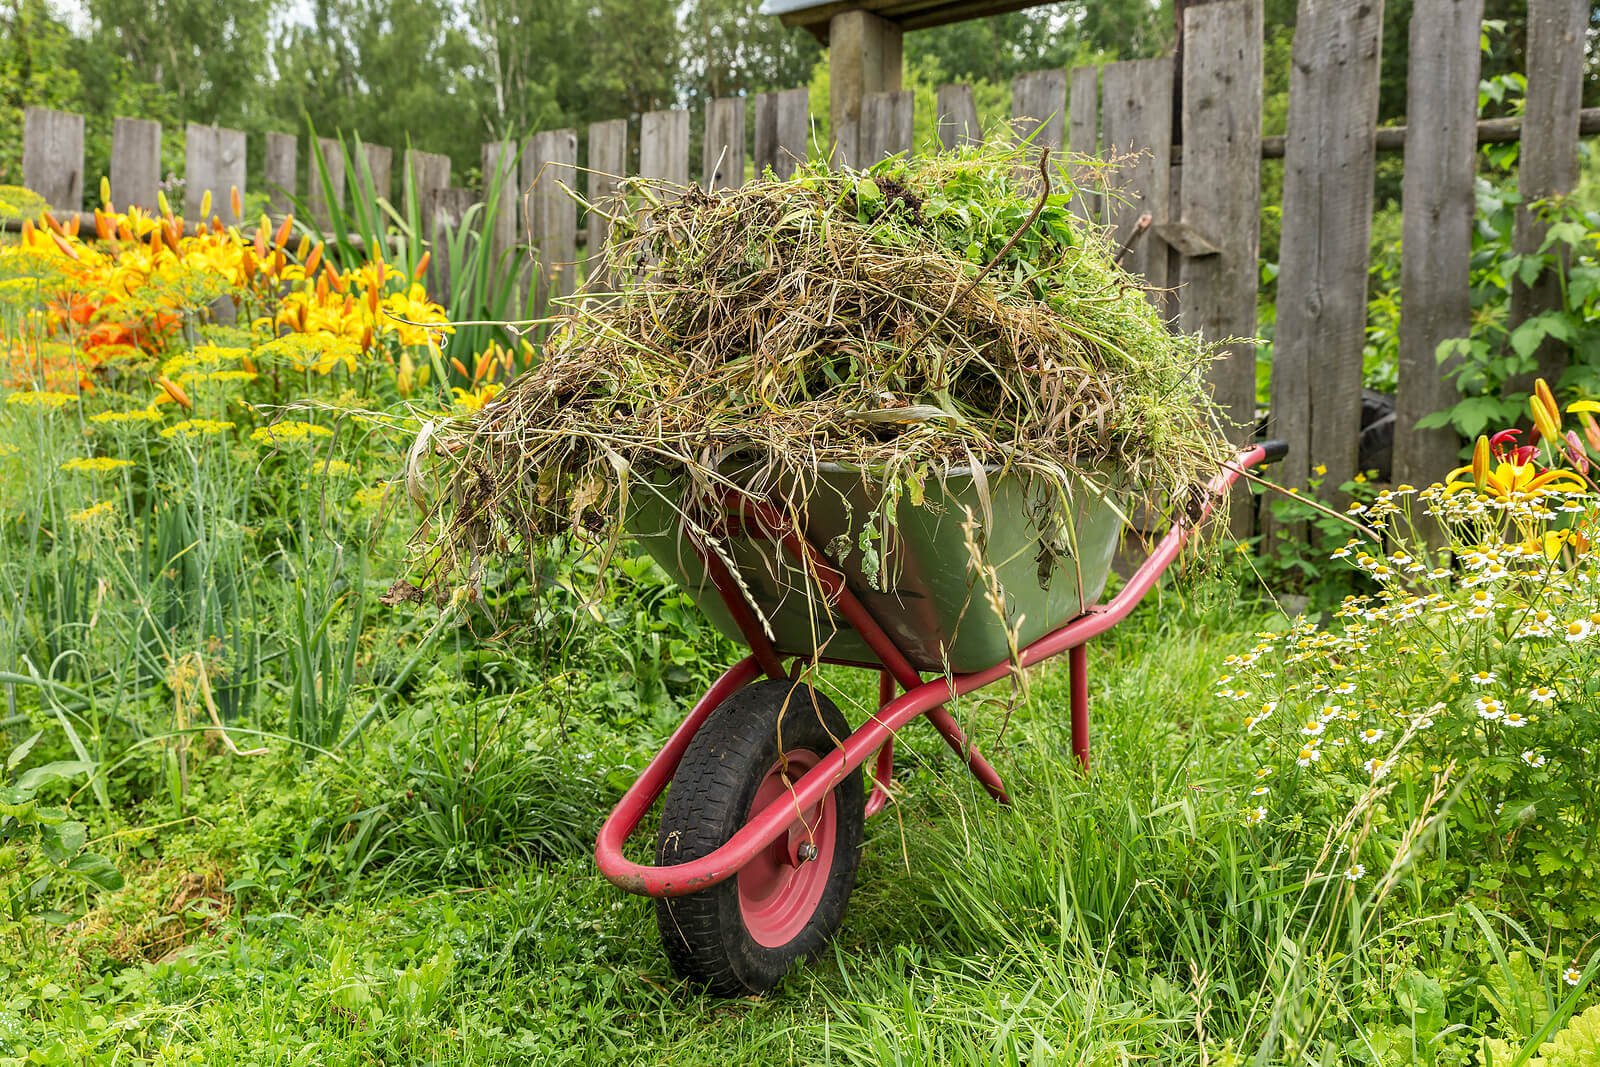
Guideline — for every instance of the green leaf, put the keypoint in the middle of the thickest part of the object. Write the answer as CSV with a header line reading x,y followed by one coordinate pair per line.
x,y
97,870
20,753
34,777
63,841
1527,338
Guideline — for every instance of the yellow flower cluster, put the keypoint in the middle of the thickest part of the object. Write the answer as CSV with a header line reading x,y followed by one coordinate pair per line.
x,y
288,432
95,464
197,428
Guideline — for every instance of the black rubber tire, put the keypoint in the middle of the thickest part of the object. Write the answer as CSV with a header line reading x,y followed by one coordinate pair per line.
x,y
704,933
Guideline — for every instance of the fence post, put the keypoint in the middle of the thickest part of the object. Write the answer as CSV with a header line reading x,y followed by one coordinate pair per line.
x,y
552,157
664,146
317,194
783,131
957,117
1436,197
428,173
135,163
214,163
608,162
1221,200
1038,112
380,165
52,157
1083,134
444,209
864,57
1136,121
1549,159
722,152
279,173
887,126
499,160
1327,225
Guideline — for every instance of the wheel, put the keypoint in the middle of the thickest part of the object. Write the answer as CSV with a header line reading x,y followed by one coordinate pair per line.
x,y
742,935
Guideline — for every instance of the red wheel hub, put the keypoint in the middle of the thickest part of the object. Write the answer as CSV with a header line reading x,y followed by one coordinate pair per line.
x,y
780,888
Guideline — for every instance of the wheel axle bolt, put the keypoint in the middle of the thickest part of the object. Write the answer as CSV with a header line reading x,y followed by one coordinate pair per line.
x,y
806,852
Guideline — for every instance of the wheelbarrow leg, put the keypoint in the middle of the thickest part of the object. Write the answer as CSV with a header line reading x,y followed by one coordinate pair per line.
x,y
1078,662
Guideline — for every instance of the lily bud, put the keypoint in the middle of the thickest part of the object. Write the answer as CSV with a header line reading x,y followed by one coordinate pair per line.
x,y
281,238
1480,463
236,202
314,259
1576,454
161,203
1591,431
205,204
175,391
105,191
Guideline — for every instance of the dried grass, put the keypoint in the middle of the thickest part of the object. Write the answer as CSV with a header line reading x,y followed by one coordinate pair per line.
x,y
833,318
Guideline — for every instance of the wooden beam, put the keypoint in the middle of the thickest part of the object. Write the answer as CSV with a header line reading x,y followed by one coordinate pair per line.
x,y
1436,197
908,14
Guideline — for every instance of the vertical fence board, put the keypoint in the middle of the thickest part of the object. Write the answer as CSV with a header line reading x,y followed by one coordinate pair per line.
x,y
664,146
783,131
887,125
444,208
279,172
499,163
1038,111
52,156
380,166
551,158
316,192
608,163
135,163
723,149
428,172
1083,133
957,117
1039,106
214,162
1549,158
1327,225
1221,199
1436,229
1136,114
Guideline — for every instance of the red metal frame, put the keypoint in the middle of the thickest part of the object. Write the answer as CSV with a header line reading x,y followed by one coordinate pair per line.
x,y
877,733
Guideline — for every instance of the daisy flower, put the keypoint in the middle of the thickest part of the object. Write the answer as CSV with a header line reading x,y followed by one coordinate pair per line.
x,y
1481,677
1489,708
1514,720
1374,766
1260,791
1541,694
1307,757
1576,630
1345,688
1532,758
1354,873
1572,976
1312,729
1252,816
1371,736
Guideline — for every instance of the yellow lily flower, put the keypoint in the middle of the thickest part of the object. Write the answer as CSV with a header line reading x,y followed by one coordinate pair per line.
x,y
1508,479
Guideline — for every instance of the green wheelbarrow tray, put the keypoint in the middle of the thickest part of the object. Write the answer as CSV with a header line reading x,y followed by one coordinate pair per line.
x,y
915,575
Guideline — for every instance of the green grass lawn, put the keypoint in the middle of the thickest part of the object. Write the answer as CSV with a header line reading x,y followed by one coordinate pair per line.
x,y
368,911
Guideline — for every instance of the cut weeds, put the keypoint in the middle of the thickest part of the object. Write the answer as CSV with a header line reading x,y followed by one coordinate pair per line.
x,y
928,314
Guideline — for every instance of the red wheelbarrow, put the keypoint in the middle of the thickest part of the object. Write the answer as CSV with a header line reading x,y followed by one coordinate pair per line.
x,y
760,834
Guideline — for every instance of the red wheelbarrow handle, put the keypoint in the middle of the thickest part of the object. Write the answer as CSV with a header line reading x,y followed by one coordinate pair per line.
x,y
765,826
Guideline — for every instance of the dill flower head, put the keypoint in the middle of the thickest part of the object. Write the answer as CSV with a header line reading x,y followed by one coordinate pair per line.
x,y
41,399
95,464
196,428
288,432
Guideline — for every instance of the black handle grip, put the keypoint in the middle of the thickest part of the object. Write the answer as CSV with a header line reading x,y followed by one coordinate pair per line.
x,y
1275,450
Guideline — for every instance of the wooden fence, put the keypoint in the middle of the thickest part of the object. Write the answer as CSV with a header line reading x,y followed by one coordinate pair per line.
x,y
1187,129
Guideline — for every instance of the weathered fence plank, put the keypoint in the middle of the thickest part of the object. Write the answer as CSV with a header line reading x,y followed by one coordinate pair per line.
x,y
608,163
1436,199
427,172
1327,225
214,162
723,151
957,117
664,146
1039,107
380,167
52,156
1136,118
887,125
1221,199
135,163
1083,134
1549,158
499,160
783,131
279,172
551,158
317,193
444,208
